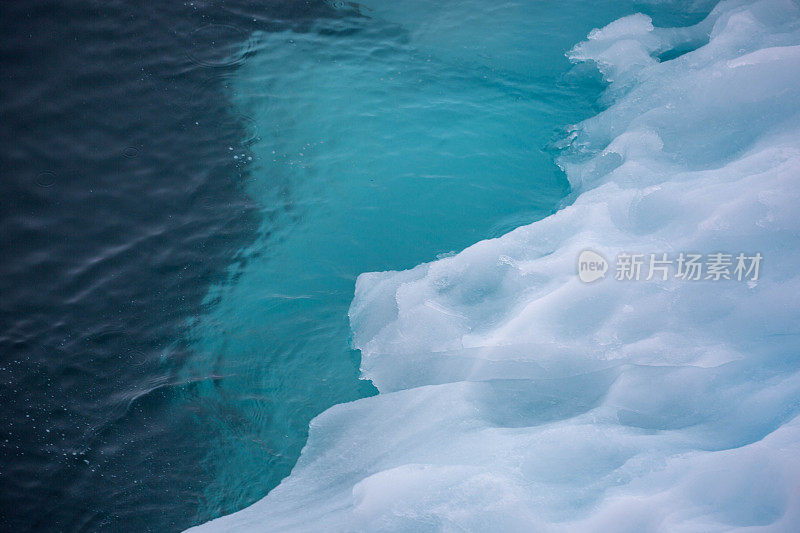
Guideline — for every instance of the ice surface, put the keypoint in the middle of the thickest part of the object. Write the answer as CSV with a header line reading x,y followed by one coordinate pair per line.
x,y
514,397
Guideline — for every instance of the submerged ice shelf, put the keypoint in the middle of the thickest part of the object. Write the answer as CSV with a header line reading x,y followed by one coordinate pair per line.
x,y
514,397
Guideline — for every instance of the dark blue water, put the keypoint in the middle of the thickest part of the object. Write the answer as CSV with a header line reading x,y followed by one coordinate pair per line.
x,y
119,205
182,222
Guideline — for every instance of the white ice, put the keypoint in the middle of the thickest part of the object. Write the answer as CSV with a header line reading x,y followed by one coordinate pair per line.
x,y
514,397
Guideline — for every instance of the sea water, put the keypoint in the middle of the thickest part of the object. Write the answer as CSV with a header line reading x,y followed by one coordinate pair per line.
x,y
373,149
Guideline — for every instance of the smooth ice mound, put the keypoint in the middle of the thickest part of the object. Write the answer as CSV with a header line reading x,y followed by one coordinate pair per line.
x,y
514,397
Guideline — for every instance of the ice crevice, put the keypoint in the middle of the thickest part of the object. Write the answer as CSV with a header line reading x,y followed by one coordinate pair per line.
x,y
515,397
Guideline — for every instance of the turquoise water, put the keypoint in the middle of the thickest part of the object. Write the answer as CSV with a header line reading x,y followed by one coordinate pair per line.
x,y
379,141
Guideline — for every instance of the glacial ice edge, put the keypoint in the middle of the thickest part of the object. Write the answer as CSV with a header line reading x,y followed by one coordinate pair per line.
x,y
514,397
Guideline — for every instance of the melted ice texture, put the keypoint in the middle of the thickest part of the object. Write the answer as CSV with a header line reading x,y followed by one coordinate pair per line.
x,y
516,398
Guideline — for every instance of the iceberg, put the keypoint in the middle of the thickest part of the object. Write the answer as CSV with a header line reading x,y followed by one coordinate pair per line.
x,y
516,397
